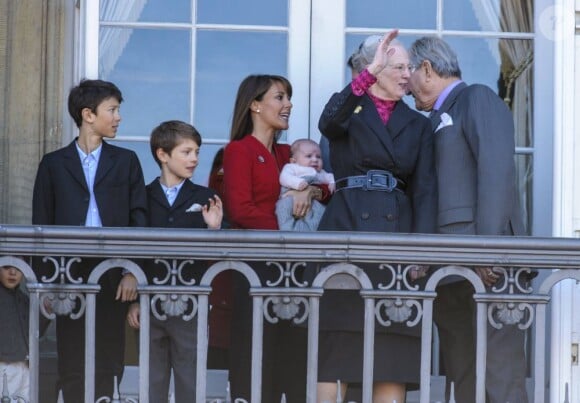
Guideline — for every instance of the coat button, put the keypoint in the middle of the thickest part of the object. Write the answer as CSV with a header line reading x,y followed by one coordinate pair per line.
x,y
170,219
390,217
365,216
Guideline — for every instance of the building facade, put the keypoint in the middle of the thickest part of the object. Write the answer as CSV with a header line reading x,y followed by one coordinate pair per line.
x,y
183,59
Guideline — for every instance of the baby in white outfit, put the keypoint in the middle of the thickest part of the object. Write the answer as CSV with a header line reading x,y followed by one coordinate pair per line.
x,y
304,168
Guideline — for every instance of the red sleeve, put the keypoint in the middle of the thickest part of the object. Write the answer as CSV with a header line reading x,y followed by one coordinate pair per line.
x,y
325,193
362,83
251,187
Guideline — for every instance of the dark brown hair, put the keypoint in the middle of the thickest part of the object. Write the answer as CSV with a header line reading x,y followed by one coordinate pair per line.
x,y
169,134
251,89
90,94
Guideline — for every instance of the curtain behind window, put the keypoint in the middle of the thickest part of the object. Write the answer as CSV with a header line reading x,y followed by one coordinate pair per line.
x,y
112,41
515,58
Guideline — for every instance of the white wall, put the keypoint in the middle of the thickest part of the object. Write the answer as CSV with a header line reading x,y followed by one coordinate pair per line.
x,y
566,211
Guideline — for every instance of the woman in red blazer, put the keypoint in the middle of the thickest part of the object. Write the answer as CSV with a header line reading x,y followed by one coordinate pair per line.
x,y
252,163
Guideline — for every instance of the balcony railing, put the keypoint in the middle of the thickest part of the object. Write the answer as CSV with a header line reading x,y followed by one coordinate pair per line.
x,y
337,256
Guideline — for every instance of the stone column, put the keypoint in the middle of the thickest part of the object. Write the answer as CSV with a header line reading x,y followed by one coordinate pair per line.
x,y
32,74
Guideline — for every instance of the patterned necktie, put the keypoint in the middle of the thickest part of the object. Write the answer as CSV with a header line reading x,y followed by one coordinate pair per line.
x,y
171,194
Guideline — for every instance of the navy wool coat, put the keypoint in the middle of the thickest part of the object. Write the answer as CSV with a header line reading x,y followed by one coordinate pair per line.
x,y
359,142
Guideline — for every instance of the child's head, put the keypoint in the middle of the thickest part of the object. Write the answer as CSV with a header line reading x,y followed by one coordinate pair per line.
x,y
87,98
307,153
175,147
10,276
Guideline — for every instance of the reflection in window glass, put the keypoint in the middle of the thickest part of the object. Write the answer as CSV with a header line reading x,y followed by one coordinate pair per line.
x,y
145,10
223,60
153,72
414,14
488,15
250,12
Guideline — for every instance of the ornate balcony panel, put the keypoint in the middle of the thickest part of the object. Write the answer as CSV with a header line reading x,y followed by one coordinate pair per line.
x,y
396,295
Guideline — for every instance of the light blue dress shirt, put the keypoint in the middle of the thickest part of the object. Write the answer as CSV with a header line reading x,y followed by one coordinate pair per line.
x,y
172,192
90,162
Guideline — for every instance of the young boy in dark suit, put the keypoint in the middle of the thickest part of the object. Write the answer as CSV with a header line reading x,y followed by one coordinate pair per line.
x,y
95,184
14,322
175,202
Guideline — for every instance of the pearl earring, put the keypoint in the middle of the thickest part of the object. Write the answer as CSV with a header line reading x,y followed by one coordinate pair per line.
x,y
258,110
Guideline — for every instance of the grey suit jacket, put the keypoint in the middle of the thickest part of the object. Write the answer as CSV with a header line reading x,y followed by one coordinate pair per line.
x,y
474,159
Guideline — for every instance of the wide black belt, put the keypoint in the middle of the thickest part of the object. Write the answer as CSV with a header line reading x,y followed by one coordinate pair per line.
x,y
375,179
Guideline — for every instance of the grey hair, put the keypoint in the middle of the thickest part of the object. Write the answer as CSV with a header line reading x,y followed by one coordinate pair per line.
x,y
366,52
354,61
438,52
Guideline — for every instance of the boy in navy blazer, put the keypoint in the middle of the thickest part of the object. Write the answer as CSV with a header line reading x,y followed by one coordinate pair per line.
x,y
175,202
95,184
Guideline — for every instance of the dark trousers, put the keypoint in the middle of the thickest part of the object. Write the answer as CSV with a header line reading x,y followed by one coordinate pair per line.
x,y
284,354
109,347
455,315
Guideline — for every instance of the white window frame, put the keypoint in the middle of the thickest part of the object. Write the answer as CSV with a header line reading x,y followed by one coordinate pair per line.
x,y
566,195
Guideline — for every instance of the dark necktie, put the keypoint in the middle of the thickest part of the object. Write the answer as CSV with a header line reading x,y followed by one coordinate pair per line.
x,y
433,116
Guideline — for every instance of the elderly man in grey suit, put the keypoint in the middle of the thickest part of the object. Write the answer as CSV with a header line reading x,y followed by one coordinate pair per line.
x,y
474,157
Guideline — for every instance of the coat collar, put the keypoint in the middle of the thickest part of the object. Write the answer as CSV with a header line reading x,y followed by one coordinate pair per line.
x,y
447,104
108,158
398,120
72,163
74,166
183,197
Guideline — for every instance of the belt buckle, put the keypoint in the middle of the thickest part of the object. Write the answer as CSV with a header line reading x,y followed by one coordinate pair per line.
x,y
371,182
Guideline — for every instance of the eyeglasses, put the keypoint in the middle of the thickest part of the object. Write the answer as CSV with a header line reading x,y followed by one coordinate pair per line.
x,y
402,67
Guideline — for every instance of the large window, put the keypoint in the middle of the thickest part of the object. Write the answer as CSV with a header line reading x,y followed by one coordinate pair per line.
x,y
183,59
494,41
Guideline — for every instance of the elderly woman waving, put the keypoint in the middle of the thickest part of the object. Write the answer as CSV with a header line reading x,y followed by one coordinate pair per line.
x,y
382,157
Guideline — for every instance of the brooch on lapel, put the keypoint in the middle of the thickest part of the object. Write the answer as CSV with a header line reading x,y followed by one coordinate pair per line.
x,y
261,159
358,109
194,208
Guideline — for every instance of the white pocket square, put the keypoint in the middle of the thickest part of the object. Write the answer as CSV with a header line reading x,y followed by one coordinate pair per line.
x,y
446,120
194,208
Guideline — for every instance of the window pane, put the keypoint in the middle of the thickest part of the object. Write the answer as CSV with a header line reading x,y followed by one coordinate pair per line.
x,y
223,60
488,15
152,69
250,12
479,60
493,62
145,10
415,14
